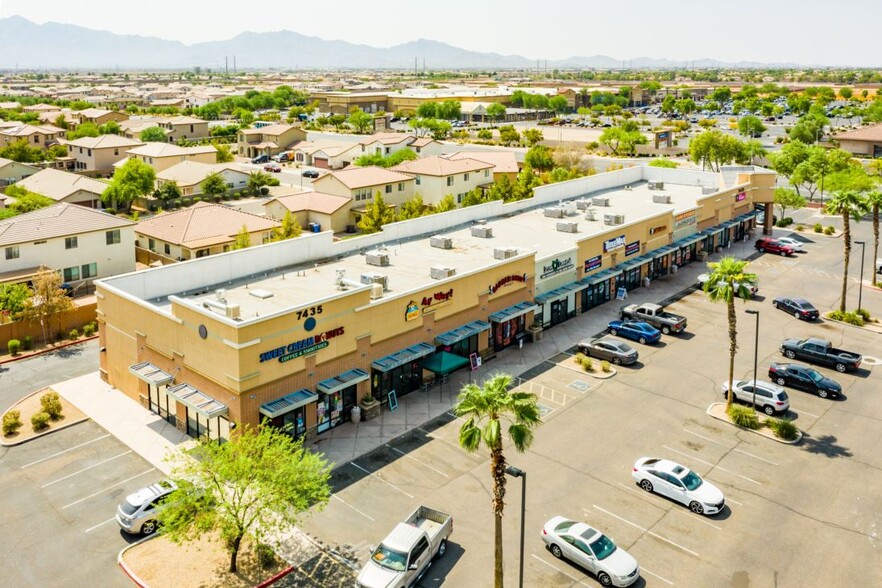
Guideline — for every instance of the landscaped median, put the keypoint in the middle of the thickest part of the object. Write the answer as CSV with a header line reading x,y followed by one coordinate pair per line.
x,y
38,414
593,367
744,417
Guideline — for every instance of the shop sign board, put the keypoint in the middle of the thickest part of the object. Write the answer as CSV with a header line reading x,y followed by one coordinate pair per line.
x,y
557,266
593,263
302,347
614,243
684,220
632,248
505,281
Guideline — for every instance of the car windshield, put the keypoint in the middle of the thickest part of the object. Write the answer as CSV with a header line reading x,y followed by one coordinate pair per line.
x,y
815,376
388,558
129,508
625,348
603,547
691,480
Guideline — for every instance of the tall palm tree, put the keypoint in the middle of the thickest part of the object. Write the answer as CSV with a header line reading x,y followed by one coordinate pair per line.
x,y
851,205
874,203
728,280
484,409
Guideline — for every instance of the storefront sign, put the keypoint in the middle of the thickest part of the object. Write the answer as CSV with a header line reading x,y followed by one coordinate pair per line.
x,y
592,263
740,196
613,244
557,266
684,220
300,348
412,311
506,281
436,300
658,229
632,248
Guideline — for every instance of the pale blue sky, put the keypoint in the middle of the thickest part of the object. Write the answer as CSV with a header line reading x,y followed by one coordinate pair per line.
x,y
801,31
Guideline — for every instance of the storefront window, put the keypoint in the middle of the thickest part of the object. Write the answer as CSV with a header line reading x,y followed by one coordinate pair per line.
x,y
403,379
508,333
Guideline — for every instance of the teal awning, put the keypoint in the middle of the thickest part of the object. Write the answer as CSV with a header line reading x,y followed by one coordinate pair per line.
x,y
443,363
689,240
287,403
600,276
399,358
662,251
506,314
344,380
464,332
559,293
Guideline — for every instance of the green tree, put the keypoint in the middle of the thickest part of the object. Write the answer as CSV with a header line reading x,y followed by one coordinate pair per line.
x,y
622,139
412,208
290,228
242,240
86,129
214,185
786,198
668,104
258,483
729,279
440,129
819,164
169,191
61,122
224,152
539,157
22,152
558,104
502,189
721,94
446,204
48,303
851,205
376,214
449,110
111,127
508,135
133,179
713,149
685,106
473,198
153,134
751,150
390,160
846,93
496,111
360,120
257,180
751,126
13,298
874,203
428,110
337,121
663,162
25,200
486,409
532,136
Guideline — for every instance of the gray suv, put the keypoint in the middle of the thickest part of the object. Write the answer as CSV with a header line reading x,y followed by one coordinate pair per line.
x,y
770,398
137,513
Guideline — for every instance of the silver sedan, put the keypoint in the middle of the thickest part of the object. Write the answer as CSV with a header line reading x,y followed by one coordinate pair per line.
x,y
611,350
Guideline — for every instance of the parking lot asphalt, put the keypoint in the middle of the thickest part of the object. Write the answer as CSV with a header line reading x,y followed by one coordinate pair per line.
x,y
802,515
60,494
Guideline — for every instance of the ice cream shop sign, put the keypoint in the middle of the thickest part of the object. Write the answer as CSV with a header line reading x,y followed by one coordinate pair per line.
x,y
300,348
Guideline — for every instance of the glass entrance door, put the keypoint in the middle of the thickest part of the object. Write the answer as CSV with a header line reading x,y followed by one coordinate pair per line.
x,y
558,311
329,411
162,405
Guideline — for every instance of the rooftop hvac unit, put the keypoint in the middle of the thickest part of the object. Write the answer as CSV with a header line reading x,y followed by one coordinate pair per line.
x,y
221,295
483,221
568,227
439,272
233,311
260,293
705,190
656,185
569,208
583,204
504,252
380,279
591,215
613,219
554,212
441,242
482,231
376,291
377,259
600,201
661,198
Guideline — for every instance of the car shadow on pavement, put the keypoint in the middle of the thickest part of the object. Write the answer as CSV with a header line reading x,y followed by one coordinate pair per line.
x,y
824,445
440,568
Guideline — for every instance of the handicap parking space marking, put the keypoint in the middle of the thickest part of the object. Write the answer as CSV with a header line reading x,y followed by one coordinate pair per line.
x,y
579,385
367,516
105,489
93,466
647,531
407,455
544,410
559,571
377,476
48,457
713,465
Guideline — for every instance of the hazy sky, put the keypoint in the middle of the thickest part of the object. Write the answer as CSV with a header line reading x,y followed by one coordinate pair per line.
x,y
799,31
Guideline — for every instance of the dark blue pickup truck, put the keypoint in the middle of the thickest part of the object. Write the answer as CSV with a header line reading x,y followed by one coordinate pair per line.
x,y
821,352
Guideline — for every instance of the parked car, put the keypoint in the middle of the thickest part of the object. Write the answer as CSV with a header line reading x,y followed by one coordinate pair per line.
x,y
590,549
804,378
617,352
767,245
272,167
310,173
638,331
821,352
678,483
798,307
752,289
791,242
771,399
137,513
655,315
260,159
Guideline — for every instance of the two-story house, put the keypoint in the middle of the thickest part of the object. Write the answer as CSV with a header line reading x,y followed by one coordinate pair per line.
x,y
41,136
99,116
268,140
161,156
188,175
504,162
361,184
63,186
184,128
435,177
96,155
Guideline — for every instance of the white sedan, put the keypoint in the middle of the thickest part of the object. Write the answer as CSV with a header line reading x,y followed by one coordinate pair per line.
x,y
794,244
592,550
678,483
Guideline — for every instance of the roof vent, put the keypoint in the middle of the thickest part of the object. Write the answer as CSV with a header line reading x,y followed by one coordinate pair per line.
x,y
656,185
440,272
441,242
380,259
567,227
583,204
604,201
260,293
661,198
505,252
482,232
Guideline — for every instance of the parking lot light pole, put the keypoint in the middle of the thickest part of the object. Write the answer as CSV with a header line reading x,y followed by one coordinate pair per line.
x,y
863,245
755,352
519,473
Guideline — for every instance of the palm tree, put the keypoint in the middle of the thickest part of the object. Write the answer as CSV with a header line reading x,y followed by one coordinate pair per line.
x,y
874,203
850,204
727,280
484,408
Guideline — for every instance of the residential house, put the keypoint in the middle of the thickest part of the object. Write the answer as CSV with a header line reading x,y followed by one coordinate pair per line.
x,y
435,177
39,108
504,162
42,136
13,171
361,184
81,243
332,156
183,128
99,116
328,211
865,141
161,156
96,155
63,186
200,230
269,140
189,175
426,146
132,128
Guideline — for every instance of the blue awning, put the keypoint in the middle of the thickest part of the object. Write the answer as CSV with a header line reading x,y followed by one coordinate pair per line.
x,y
463,332
198,401
686,241
662,251
626,265
288,403
711,231
559,293
730,223
344,380
600,276
506,314
746,216
399,358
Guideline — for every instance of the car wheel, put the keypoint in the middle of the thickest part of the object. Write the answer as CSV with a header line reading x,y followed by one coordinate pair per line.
x,y
604,579
613,332
795,314
780,381
840,367
148,528
790,354
556,552
642,340
666,330
774,304
442,547
783,254
646,485
769,410
696,507
616,360
822,393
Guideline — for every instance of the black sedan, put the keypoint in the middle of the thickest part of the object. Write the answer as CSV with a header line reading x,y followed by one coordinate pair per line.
x,y
798,307
804,378
617,352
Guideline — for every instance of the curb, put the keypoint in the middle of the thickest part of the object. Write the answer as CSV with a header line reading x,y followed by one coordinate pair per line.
x,y
596,376
47,350
273,579
759,432
44,433
126,569
877,330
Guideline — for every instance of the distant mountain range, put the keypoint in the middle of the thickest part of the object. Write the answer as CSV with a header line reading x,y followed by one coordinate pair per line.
x,y
28,45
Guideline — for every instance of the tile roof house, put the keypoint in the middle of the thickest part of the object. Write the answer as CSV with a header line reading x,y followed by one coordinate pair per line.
x,y
269,140
161,156
13,171
361,184
189,175
435,177
41,136
99,116
68,187
863,141
328,211
504,162
83,244
179,128
200,230
98,154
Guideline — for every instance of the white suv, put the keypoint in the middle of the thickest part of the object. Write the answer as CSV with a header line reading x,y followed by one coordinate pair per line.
x,y
770,398
137,513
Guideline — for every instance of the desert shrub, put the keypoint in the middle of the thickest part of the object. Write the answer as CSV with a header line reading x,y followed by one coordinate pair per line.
x,y
579,358
40,421
266,558
238,195
850,317
743,416
829,230
110,210
11,422
800,228
604,365
73,334
785,222
50,402
588,365
176,203
865,314
88,330
14,345
817,228
27,343
197,199
264,190
783,429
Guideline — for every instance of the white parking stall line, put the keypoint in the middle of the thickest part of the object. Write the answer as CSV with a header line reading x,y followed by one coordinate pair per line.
x,y
654,575
93,466
443,440
809,414
648,532
373,475
719,467
763,459
90,529
401,453
698,518
368,517
42,459
573,578
708,439
94,494
733,501
637,493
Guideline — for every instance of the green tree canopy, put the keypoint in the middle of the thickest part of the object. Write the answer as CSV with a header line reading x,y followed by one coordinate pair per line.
x,y
214,184
390,160
376,214
153,134
621,141
111,127
539,157
48,304
448,110
413,208
446,204
87,129
663,162
532,136
360,120
508,135
428,110
290,228
133,179
242,240
22,152
558,104
496,111
13,298
713,149
751,126
169,191
787,198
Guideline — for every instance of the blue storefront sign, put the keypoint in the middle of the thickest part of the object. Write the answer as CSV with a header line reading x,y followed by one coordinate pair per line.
x,y
592,263
614,243
632,248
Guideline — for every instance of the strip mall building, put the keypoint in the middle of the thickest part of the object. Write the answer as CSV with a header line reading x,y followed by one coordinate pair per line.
x,y
299,331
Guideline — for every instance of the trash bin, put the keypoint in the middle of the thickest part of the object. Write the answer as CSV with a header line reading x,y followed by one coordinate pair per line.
x,y
355,414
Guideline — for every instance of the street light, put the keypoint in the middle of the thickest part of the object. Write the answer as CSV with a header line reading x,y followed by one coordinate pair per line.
x,y
519,473
861,283
755,352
